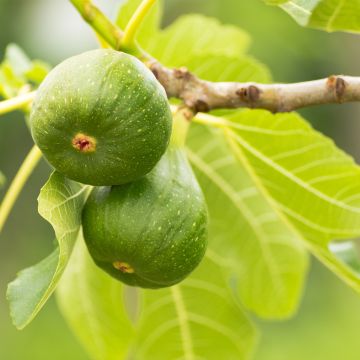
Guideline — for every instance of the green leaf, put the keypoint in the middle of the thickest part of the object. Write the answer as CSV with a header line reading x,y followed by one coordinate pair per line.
x,y
196,319
170,323
93,304
307,178
225,64
328,15
248,235
223,68
314,184
150,26
196,35
12,70
60,203
277,294
17,59
10,83
17,71
187,37
37,71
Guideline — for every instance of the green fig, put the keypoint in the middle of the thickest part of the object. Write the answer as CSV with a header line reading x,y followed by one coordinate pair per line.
x,y
151,233
101,118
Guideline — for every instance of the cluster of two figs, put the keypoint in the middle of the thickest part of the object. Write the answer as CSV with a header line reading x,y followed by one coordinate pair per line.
x,y
101,118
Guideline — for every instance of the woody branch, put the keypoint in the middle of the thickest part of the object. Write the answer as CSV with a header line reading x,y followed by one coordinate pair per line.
x,y
201,95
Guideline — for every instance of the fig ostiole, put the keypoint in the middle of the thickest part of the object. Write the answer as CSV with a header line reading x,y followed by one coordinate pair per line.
x,y
101,118
150,233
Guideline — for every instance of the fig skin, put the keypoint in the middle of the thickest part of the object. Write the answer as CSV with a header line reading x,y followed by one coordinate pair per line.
x,y
151,233
101,118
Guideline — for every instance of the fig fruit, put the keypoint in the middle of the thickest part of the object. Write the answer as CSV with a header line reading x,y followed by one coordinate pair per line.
x,y
150,233
101,118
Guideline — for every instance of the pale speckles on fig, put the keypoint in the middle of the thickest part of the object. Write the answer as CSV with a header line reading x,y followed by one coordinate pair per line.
x,y
94,100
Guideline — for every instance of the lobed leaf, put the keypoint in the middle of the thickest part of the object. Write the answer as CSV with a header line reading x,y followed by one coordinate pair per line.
x,y
195,35
307,178
17,59
93,304
248,235
273,289
17,72
181,318
177,322
37,72
10,83
60,203
316,185
223,68
328,15
189,38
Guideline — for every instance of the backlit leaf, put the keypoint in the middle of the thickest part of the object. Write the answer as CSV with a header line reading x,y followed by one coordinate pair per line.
x,y
60,203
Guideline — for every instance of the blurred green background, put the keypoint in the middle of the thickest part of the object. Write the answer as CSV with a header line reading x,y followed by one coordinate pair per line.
x,y
328,321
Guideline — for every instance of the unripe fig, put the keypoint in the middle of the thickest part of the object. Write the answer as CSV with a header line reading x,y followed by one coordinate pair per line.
x,y
152,232
101,118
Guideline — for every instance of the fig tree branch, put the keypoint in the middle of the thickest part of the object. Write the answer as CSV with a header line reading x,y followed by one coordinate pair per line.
x,y
203,96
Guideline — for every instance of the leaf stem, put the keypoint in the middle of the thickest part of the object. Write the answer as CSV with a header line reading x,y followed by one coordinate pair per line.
x,y
18,183
134,23
181,122
16,102
99,22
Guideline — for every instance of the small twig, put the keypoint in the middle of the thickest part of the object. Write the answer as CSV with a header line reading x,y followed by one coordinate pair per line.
x,y
17,102
18,183
182,117
134,23
99,22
